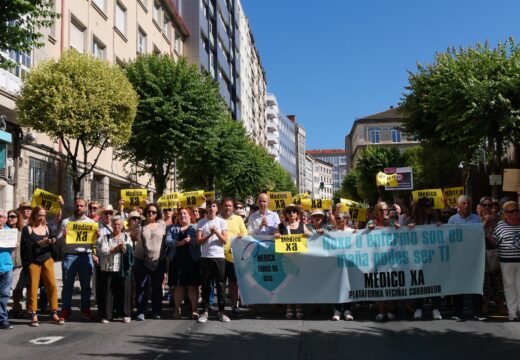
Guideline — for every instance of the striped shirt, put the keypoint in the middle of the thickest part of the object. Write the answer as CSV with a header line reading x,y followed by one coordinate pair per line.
x,y
508,239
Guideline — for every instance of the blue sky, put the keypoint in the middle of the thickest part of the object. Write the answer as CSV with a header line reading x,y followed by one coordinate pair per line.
x,y
331,61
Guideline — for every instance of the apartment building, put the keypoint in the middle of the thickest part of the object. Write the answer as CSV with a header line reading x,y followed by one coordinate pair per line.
x,y
338,159
301,137
252,83
214,44
318,178
381,129
281,137
112,30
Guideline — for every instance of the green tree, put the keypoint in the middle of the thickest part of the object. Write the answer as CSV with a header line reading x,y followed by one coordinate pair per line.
x,y
281,179
177,116
434,166
373,160
20,22
85,103
349,185
467,100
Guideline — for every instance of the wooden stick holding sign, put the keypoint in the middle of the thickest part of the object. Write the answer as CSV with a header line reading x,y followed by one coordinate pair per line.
x,y
134,197
290,244
279,200
83,233
49,201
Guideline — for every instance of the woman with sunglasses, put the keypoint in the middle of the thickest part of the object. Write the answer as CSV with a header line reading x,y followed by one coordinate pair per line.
x,y
149,260
37,247
507,236
15,221
291,226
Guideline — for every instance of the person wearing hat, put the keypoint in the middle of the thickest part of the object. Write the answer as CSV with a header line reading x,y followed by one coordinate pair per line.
x,y
319,222
78,260
292,226
25,210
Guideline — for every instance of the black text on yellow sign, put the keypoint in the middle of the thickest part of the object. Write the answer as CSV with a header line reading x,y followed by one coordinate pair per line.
x,y
356,213
134,197
316,204
192,198
279,200
47,200
290,244
434,195
297,199
81,233
169,201
451,194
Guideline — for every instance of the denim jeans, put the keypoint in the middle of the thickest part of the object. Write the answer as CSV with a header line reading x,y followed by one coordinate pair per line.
x,y
6,279
76,264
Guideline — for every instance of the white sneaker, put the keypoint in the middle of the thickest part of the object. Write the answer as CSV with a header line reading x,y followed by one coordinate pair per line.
x,y
436,314
203,318
336,315
511,317
390,316
223,317
380,317
104,321
348,315
417,315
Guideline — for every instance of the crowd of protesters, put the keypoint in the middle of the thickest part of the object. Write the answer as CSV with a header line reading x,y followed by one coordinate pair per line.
x,y
139,251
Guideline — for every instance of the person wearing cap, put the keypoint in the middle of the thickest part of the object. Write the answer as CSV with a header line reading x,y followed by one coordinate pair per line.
x,y
462,217
236,229
263,221
292,226
78,260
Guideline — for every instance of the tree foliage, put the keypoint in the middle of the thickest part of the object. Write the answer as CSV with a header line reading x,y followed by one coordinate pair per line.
x,y
373,160
467,100
84,102
20,22
349,186
177,119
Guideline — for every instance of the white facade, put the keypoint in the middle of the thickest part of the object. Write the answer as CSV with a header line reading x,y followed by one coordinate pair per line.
x,y
338,159
281,137
300,156
252,83
318,178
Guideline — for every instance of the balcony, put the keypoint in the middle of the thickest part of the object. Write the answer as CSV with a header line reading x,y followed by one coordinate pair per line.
x,y
271,112
272,138
9,82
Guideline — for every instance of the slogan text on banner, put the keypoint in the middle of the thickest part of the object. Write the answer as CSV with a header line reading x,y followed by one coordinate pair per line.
x,y
192,198
81,232
434,195
451,195
279,200
47,200
134,197
359,214
291,244
8,238
387,180
316,204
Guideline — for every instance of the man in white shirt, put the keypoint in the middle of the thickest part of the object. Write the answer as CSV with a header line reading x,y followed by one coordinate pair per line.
x,y
212,236
264,221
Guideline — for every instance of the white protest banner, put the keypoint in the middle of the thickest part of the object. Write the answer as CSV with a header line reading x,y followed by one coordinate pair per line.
x,y
8,238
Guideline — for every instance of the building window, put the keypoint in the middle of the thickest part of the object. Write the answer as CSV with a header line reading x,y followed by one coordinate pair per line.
x,y
77,36
42,175
98,49
373,135
166,26
396,136
141,41
157,13
120,18
101,4
178,43
23,63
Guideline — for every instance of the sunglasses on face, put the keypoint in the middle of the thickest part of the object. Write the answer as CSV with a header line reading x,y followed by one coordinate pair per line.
x,y
513,211
383,210
151,212
487,205
93,208
13,217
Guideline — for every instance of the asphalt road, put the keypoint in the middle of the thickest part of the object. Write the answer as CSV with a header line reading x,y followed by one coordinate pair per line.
x,y
264,337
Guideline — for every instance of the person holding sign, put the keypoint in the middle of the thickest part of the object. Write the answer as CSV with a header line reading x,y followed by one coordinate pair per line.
x,y
464,216
184,255
37,247
292,226
236,229
78,260
507,236
212,236
150,260
264,221
115,250
6,277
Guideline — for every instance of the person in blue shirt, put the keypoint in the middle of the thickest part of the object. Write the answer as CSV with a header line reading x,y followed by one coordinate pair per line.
x,y
6,278
464,216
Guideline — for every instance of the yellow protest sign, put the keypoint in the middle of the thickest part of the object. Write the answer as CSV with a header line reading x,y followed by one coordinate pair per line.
x,y
279,200
169,201
297,199
434,195
451,195
192,198
290,244
210,195
83,233
47,200
134,197
351,203
356,213
388,180
316,204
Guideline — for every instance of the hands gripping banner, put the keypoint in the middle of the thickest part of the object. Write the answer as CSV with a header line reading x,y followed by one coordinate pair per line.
x,y
347,266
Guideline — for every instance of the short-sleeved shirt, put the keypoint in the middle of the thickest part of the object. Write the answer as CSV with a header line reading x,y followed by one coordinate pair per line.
x,y
214,247
508,239
253,224
459,220
236,227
